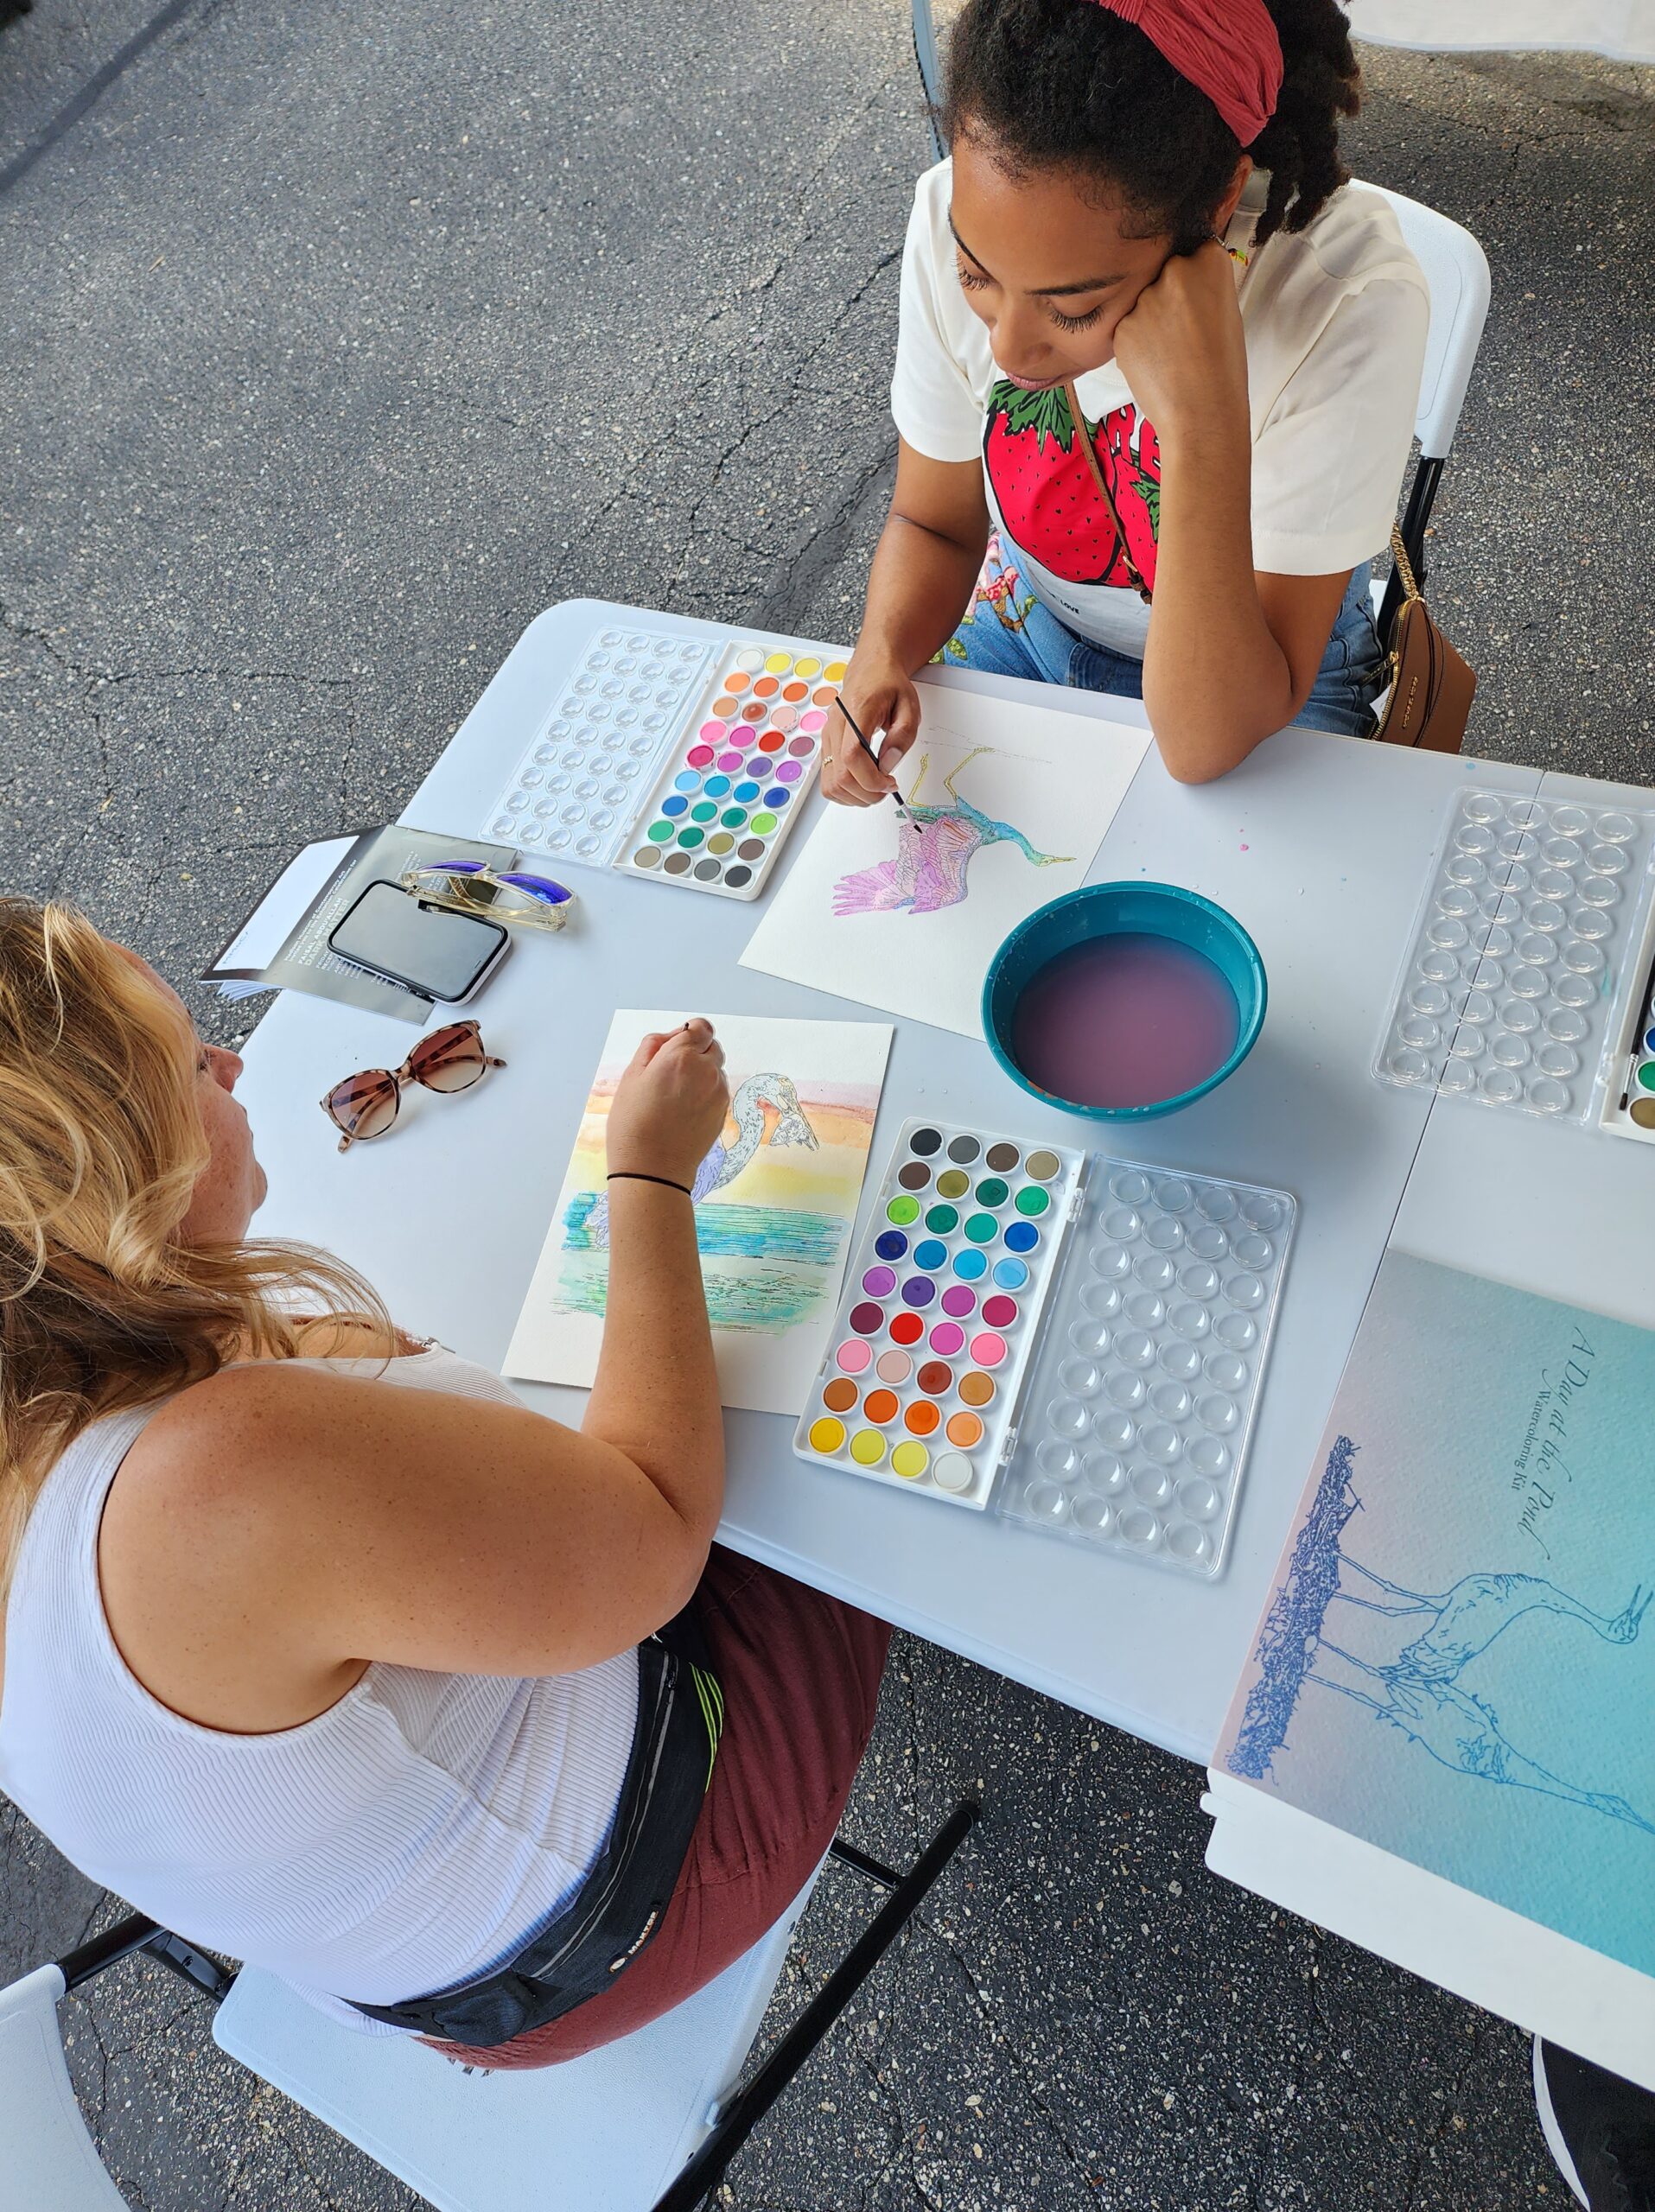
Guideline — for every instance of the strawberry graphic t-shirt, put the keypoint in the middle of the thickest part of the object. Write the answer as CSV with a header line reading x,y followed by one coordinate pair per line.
x,y
1334,319
1044,500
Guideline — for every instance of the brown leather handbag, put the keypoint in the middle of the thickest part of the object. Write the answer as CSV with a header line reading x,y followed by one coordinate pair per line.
x,y
1431,688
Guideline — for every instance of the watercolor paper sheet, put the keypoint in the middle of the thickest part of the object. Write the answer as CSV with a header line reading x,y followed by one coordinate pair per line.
x,y
776,1200
1456,1664
1009,806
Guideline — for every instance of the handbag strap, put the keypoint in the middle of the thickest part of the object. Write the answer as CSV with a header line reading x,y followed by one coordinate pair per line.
x,y
1084,437
1405,566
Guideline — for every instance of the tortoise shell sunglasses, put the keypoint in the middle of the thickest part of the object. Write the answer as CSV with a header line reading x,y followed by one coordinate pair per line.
x,y
365,1105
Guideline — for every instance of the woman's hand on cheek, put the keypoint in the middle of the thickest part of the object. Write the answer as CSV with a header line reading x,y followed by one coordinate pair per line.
x,y
1183,350
668,1105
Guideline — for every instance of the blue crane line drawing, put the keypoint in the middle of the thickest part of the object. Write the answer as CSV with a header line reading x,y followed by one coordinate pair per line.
x,y
1418,1694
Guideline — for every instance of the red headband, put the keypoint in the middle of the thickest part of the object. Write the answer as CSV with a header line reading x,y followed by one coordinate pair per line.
x,y
1228,50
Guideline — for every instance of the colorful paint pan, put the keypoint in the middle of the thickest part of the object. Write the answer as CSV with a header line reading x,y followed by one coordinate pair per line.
x,y
626,752
1629,1102
1091,1367
744,761
947,1342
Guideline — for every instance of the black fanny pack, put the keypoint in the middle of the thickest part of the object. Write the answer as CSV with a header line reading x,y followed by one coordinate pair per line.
x,y
618,1906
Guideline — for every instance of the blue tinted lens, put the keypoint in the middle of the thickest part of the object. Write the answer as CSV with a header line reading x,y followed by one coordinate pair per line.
x,y
539,886
455,868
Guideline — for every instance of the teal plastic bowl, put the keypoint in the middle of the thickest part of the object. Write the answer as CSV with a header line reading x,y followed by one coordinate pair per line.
x,y
1112,910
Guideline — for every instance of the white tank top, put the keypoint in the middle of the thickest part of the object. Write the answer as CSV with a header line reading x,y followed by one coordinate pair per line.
x,y
413,1834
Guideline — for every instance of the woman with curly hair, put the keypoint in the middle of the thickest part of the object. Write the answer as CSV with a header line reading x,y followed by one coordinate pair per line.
x,y
1145,216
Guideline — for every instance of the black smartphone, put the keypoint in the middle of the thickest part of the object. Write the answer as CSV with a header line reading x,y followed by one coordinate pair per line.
x,y
426,948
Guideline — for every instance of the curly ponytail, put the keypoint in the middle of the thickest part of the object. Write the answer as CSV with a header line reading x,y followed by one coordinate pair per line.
x,y
1067,85
1300,144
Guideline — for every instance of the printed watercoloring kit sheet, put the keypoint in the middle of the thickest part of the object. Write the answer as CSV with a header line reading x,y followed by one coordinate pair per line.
x,y
775,1201
1456,1664
1007,807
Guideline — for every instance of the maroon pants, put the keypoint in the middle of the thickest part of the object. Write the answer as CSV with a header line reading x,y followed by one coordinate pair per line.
x,y
801,1676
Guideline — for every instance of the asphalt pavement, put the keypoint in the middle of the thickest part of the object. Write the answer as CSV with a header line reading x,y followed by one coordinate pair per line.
x,y
337,341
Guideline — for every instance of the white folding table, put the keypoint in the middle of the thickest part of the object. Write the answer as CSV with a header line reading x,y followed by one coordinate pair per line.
x,y
1319,845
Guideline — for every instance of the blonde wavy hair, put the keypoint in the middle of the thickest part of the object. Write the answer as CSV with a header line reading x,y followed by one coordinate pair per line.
x,y
102,1308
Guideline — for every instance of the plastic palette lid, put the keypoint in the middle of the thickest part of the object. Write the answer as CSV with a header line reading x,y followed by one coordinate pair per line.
x,y
1138,1414
1507,989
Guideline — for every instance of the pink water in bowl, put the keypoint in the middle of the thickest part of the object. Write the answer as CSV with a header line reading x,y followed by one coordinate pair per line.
x,y
1126,1020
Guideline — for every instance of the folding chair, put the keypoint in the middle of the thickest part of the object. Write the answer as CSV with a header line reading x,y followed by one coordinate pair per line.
x,y
1456,271
49,2162
648,2124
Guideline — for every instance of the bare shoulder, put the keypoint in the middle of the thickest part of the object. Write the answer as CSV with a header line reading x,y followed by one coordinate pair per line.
x,y
229,1479
215,1535
239,1428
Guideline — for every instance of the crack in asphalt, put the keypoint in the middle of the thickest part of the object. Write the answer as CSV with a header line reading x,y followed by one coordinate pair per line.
x,y
226,675
982,2005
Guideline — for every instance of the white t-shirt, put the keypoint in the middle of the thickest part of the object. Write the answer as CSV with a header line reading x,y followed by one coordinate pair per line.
x,y
1334,319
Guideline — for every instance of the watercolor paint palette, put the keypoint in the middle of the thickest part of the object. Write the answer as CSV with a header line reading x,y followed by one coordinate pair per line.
x,y
1079,1343
1629,1100
1140,1407
1507,991
580,785
732,788
937,1327
674,758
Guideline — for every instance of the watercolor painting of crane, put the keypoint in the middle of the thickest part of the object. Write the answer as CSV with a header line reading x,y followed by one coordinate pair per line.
x,y
775,1195
935,846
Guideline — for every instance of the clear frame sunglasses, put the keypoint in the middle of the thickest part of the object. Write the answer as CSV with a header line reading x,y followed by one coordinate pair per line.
x,y
533,902
367,1105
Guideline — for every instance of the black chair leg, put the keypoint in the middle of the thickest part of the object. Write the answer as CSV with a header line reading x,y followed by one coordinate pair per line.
x,y
1421,498
749,2106
924,55
139,1933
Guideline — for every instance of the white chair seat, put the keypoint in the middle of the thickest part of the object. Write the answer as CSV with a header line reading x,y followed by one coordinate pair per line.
x,y
48,2161
604,2133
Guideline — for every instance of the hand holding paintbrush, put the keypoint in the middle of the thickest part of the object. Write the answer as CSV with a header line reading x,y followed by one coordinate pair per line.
x,y
860,735
877,700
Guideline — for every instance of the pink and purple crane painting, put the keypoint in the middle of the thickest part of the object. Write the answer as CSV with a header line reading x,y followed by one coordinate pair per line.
x,y
934,846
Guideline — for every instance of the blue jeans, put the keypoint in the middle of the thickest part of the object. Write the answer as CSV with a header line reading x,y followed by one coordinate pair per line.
x,y
1046,651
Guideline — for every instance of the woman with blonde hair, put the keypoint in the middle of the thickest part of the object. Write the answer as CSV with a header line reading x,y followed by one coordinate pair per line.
x,y
319,1647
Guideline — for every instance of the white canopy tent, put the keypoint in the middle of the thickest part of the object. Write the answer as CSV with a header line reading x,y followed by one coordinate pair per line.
x,y
1623,30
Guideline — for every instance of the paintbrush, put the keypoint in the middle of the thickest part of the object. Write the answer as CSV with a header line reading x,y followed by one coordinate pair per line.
x,y
855,727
